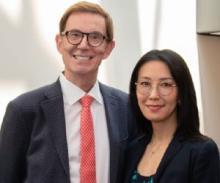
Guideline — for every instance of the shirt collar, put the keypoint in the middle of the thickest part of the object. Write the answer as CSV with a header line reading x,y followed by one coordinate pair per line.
x,y
72,93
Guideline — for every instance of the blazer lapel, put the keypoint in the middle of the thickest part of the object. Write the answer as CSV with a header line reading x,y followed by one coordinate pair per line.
x,y
175,146
54,114
135,152
117,132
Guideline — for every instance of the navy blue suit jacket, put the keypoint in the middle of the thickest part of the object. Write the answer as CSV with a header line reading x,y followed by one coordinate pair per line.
x,y
33,146
185,161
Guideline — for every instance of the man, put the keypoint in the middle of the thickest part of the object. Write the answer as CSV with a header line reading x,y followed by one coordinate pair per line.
x,y
41,135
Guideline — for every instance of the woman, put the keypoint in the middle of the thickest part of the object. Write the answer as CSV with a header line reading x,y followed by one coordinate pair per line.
x,y
170,147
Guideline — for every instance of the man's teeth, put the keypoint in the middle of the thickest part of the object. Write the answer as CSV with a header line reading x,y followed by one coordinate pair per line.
x,y
82,58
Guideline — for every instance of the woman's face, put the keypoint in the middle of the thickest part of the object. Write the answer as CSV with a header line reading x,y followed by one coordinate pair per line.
x,y
156,91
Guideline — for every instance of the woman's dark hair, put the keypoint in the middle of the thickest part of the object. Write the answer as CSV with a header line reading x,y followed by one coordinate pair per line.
x,y
187,110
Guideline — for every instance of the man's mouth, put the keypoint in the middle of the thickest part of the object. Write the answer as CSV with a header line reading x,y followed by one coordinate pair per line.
x,y
82,58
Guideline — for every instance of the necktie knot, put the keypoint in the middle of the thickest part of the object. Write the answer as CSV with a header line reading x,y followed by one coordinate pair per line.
x,y
86,101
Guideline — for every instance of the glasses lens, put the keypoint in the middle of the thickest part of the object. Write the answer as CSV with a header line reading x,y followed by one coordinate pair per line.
x,y
143,87
165,88
74,37
95,39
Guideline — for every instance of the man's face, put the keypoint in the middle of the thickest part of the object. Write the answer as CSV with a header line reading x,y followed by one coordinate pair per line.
x,y
83,59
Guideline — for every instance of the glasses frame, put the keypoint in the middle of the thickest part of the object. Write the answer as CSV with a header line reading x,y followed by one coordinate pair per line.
x,y
150,90
66,34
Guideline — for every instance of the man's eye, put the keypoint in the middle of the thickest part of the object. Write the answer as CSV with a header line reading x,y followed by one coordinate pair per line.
x,y
95,36
75,34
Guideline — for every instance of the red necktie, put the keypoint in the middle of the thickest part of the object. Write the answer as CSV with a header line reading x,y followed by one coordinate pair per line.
x,y
87,143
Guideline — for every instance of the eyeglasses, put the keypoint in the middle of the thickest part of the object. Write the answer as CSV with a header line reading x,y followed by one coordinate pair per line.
x,y
164,88
94,39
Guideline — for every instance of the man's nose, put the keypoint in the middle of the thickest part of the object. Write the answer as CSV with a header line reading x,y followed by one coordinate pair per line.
x,y
84,42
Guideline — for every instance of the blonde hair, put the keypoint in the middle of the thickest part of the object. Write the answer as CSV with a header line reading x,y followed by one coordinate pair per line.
x,y
88,7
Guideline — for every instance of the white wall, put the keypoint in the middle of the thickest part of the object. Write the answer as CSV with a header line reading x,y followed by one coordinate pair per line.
x,y
209,56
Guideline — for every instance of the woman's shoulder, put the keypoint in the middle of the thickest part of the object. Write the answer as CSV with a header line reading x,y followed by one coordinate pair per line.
x,y
203,145
204,159
202,140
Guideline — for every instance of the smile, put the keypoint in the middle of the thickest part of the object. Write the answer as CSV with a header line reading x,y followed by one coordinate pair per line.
x,y
82,58
154,107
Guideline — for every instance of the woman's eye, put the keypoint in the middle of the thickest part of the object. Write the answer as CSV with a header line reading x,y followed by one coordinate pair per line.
x,y
166,84
145,83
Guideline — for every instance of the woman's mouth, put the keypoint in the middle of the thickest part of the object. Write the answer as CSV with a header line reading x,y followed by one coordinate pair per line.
x,y
154,108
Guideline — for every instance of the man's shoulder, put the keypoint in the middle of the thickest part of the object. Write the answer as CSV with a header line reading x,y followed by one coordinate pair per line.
x,y
112,91
35,96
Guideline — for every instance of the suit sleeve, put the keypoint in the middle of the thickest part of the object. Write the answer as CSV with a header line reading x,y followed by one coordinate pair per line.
x,y
13,146
207,164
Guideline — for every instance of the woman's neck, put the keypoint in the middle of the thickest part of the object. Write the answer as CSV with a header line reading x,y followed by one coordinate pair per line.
x,y
163,132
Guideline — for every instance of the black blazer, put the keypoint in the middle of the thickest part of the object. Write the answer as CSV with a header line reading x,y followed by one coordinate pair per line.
x,y
33,146
185,161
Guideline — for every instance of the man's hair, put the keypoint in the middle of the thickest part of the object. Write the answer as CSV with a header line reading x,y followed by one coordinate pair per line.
x,y
88,7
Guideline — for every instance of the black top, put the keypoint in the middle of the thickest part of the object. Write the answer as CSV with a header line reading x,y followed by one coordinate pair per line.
x,y
185,160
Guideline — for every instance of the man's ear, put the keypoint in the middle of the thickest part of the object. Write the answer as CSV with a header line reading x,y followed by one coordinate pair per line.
x,y
59,42
109,47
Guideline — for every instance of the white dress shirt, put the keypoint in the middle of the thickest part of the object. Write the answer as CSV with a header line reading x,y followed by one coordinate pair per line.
x,y
71,96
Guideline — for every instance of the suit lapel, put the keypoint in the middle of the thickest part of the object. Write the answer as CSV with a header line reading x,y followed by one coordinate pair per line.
x,y
174,147
55,120
117,132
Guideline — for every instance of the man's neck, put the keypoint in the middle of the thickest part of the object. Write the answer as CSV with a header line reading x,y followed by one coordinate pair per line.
x,y
85,82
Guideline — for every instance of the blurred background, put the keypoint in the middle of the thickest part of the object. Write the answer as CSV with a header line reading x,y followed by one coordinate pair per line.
x,y
29,58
